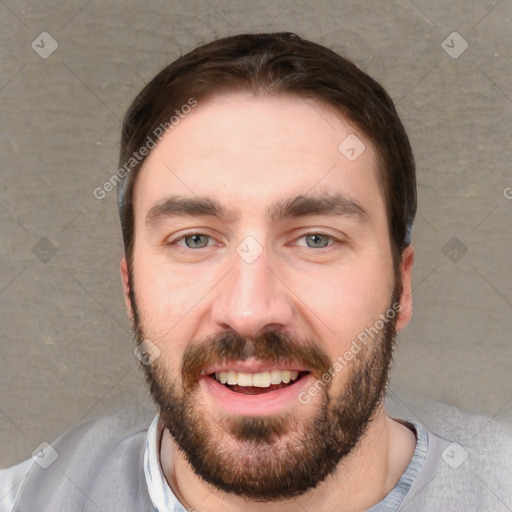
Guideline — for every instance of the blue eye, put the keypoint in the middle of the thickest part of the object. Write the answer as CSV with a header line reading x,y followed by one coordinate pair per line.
x,y
195,241
317,241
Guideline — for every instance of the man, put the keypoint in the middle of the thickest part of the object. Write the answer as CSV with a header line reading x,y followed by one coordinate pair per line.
x,y
266,194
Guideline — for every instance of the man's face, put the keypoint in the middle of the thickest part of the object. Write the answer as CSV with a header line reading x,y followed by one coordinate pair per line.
x,y
261,253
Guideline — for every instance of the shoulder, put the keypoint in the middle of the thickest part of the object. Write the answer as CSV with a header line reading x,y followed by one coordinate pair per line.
x,y
11,480
91,455
116,425
469,462
452,424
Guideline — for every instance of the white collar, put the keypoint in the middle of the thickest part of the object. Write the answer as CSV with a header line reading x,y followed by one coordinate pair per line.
x,y
161,494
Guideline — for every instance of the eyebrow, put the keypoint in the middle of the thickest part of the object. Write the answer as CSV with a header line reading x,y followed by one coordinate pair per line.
x,y
332,205
299,206
178,206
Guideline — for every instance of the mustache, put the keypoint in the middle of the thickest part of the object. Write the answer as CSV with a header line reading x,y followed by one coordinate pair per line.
x,y
271,346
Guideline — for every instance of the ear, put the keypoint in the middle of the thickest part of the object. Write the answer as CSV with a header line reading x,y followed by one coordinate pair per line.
x,y
406,297
125,279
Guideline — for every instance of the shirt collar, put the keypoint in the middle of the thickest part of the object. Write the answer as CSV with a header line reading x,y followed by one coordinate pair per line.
x,y
161,495
396,496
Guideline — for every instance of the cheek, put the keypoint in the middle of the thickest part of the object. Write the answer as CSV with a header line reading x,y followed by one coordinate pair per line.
x,y
172,304
165,295
342,301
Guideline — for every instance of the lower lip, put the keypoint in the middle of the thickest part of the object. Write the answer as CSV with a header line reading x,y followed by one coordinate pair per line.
x,y
264,404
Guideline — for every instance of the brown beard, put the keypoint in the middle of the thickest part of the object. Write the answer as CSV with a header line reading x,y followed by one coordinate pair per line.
x,y
250,456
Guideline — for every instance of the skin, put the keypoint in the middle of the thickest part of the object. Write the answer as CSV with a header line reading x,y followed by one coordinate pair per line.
x,y
248,154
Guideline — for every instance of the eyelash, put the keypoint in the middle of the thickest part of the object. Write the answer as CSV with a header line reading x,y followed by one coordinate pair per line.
x,y
331,240
188,235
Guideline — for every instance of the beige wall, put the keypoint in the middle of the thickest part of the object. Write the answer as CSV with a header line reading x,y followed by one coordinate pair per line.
x,y
66,344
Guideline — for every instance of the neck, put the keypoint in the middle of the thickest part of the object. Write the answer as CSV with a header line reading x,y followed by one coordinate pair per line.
x,y
360,481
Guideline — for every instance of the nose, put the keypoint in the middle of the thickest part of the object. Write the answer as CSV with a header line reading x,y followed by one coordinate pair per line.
x,y
252,298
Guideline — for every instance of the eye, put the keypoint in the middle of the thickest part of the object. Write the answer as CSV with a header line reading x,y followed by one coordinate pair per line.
x,y
316,241
195,241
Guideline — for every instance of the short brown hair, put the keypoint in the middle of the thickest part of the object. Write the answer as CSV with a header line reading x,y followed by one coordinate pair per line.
x,y
281,63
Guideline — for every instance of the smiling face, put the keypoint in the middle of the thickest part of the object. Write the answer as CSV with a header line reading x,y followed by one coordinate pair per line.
x,y
261,252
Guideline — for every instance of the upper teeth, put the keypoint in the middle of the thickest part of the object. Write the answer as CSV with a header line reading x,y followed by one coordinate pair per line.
x,y
260,380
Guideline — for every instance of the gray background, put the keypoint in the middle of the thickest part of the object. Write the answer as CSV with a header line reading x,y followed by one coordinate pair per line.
x,y
66,343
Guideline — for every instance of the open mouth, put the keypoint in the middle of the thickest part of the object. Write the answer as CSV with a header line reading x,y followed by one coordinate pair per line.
x,y
257,383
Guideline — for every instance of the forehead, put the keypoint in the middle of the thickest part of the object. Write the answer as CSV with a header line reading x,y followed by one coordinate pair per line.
x,y
248,151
